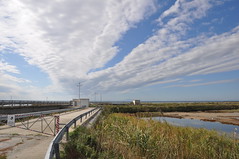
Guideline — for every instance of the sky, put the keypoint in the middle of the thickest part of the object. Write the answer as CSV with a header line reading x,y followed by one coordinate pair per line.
x,y
152,50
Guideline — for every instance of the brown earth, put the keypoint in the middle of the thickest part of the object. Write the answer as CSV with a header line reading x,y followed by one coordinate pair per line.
x,y
222,117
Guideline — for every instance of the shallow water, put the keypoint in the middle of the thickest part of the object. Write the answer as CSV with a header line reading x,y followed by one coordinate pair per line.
x,y
224,128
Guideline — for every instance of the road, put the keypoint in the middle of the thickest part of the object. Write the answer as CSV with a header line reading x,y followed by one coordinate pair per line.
x,y
18,143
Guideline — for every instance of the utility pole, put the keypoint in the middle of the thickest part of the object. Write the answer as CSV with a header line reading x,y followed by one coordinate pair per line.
x,y
101,97
95,96
79,89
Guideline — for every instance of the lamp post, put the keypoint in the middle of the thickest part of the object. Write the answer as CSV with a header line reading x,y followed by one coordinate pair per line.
x,y
95,95
79,89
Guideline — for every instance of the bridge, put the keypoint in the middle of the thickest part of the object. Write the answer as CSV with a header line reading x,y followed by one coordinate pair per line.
x,y
25,106
34,132
32,103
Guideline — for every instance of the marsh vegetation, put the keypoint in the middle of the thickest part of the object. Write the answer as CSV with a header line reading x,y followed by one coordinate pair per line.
x,y
118,135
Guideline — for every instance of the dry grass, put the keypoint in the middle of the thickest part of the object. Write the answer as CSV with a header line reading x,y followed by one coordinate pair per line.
x,y
124,136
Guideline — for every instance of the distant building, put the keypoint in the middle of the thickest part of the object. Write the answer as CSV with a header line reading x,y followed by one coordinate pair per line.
x,y
136,102
81,102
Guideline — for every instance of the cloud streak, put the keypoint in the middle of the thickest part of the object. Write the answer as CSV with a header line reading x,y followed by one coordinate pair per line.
x,y
204,84
166,56
5,67
218,54
67,39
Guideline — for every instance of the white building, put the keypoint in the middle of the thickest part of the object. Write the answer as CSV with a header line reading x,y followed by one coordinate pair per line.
x,y
81,102
136,102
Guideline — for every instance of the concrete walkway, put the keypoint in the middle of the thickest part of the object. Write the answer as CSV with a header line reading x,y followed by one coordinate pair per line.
x,y
17,143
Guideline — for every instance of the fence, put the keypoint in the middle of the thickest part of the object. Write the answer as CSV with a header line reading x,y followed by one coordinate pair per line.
x,y
40,122
54,146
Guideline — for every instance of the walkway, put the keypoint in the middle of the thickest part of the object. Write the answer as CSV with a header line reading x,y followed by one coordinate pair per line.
x,y
17,143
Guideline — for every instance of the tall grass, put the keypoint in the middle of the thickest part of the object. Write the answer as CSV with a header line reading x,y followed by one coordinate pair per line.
x,y
124,136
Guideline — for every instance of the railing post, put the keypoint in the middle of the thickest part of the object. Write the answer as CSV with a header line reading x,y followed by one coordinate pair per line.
x,y
54,126
56,123
28,123
41,123
67,133
74,123
57,150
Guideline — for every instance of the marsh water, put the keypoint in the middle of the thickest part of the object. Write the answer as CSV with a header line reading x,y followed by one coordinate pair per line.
x,y
223,128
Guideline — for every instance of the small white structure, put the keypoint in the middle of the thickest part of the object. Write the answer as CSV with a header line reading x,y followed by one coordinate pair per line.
x,y
81,102
84,102
136,102
11,120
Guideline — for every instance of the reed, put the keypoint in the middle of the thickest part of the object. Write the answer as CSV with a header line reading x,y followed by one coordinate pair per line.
x,y
125,136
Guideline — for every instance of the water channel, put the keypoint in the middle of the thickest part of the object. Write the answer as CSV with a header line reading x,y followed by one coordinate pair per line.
x,y
222,128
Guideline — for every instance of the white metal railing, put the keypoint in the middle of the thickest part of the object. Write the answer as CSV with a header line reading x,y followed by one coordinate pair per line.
x,y
53,149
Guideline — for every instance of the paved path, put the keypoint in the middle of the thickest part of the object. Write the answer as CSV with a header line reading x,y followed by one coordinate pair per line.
x,y
17,143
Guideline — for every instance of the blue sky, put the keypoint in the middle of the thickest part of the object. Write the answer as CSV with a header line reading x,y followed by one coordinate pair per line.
x,y
153,50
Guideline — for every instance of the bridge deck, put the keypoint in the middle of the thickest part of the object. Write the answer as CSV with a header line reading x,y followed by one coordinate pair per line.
x,y
21,143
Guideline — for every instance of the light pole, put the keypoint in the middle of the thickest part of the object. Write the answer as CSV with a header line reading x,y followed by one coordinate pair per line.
x,y
79,89
95,95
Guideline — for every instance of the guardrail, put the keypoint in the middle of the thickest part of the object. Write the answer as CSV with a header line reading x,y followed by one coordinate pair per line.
x,y
24,115
53,148
30,103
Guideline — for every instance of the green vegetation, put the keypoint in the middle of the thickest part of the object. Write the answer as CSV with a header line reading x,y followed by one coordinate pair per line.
x,y
172,107
118,136
3,156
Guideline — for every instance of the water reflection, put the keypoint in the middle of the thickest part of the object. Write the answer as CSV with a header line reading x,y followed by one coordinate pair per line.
x,y
198,124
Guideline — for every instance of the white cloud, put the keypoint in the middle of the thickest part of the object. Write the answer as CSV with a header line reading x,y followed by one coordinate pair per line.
x,y
184,12
6,78
166,56
205,83
5,67
82,33
67,39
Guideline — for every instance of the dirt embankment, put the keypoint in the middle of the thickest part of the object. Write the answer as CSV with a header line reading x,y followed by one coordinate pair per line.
x,y
215,116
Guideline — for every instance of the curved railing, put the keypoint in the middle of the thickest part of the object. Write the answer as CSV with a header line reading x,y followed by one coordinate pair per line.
x,y
53,149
